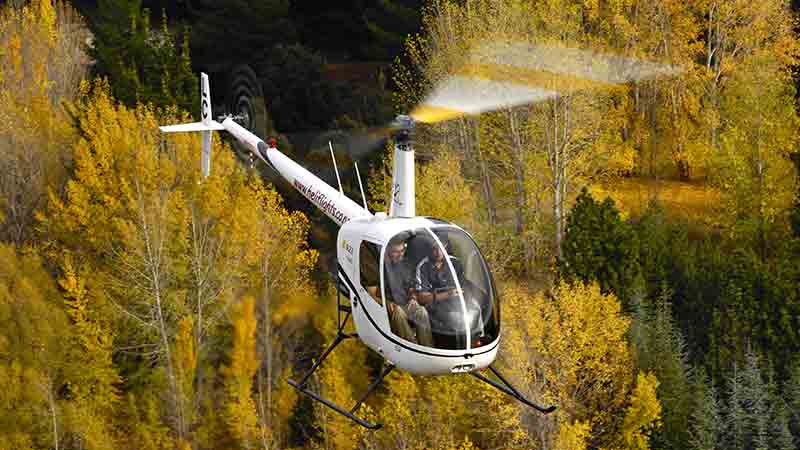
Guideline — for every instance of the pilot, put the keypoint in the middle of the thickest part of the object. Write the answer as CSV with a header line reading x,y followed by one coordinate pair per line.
x,y
401,293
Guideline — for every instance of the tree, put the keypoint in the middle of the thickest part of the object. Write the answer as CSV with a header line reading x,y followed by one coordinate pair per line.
x,y
553,344
41,65
736,418
661,348
598,245
240,407
32,363
142,64
298,94
643,415
389,22
748,99
706,426
254,26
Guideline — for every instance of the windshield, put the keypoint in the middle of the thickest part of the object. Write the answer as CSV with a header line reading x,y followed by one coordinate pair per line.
x,y
438,289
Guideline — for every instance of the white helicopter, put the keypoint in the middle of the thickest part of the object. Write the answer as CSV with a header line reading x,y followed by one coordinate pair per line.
x,y
418,289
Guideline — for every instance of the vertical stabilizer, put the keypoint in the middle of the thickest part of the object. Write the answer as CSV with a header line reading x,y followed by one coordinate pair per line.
x,y
205,127
205,114
205,100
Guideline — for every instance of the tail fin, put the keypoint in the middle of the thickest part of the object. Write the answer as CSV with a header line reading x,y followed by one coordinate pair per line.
x,y
207,125
205,100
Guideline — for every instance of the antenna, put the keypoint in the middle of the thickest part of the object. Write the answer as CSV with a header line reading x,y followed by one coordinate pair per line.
x,y
336,169
358,175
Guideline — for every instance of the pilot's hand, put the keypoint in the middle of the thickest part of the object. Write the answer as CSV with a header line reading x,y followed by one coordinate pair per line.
x,y
391,306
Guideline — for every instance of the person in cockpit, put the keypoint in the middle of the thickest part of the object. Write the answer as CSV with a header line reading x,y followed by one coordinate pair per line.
x,y
434,276
402,301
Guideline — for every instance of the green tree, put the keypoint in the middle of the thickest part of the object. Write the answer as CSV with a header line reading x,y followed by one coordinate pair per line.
x,y
143,64
389,23
599,245
661,349
795,214
706,426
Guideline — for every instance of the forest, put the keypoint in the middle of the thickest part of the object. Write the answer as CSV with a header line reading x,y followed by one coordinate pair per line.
x,y
644,236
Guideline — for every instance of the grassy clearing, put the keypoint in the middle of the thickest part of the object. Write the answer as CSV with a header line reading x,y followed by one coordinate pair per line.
x,y
690,201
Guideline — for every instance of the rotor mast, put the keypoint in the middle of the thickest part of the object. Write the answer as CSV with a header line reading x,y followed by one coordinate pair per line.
x,y
403,199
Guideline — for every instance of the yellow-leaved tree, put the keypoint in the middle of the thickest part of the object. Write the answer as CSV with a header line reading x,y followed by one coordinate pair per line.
x,y
33,338
168,253
42,62
568,347
240,408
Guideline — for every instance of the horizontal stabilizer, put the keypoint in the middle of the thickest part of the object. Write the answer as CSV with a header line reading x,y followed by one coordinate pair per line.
x,y
196,126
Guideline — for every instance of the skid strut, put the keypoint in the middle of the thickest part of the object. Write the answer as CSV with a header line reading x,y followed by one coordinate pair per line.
x,y
340,336
507,388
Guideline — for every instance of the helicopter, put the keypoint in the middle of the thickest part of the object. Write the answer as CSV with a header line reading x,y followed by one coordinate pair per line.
x,y
418,290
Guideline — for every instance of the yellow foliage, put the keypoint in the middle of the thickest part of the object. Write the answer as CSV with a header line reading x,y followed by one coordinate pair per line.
x,y
337,377
41,63
570,348
185,364
573,435
643,415
240,407
683,200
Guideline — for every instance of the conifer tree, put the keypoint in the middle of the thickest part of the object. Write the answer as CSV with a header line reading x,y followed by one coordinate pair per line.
x,y
756,402
706,426
736,420
599,246
660,348
143,63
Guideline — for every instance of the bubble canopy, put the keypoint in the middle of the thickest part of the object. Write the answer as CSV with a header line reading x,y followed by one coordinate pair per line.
x,y
438,289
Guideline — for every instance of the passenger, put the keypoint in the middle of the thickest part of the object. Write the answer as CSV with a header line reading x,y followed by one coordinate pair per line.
x,y
434,277
402,298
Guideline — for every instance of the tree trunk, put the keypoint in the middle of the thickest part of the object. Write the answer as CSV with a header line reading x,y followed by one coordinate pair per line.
x,y
486,178
519,189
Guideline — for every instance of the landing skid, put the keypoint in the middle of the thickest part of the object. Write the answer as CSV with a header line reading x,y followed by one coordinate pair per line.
x,y
503,385
507,388
340,336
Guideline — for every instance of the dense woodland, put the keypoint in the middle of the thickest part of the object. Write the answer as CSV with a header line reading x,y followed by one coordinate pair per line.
x,y
645,237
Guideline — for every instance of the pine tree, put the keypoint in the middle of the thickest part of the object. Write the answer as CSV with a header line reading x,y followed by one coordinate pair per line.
x,y
599,246
736,418
661,348
143,64
756,402
706,426
780,435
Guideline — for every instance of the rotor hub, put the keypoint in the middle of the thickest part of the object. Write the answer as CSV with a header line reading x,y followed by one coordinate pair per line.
x,y
404,128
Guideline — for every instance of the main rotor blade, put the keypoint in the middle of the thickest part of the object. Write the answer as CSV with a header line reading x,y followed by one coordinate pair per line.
x,y
507,74
461,95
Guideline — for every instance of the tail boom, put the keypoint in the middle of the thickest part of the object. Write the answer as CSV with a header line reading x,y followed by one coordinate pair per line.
x,y
333,203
